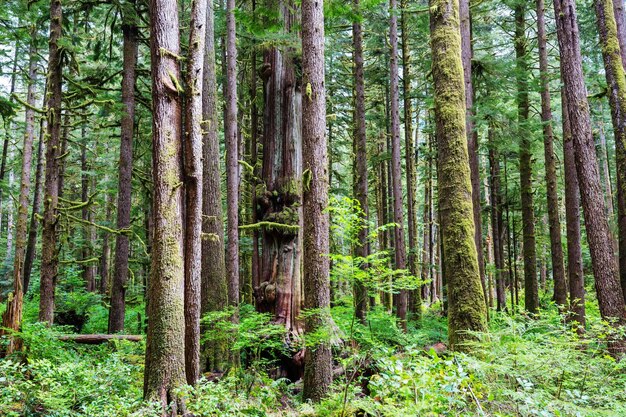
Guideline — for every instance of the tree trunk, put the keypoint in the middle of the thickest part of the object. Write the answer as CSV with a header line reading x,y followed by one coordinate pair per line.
x,y
572,218
614,72
49,250
124,199
472,134
556,248
193,188
610,298
214,290
318,358
396,168
466,303
165,349
411,156
496,220
89,269
12,317
106,249
361,248
232,164
31,247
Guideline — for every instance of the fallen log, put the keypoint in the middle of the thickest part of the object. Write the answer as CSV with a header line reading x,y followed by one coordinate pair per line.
x,y
95,339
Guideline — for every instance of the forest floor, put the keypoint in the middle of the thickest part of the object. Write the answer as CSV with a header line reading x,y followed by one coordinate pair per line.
x,y
522,367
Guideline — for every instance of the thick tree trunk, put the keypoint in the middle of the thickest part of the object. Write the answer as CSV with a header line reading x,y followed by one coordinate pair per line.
x,y
122,242
232,164
572,218
214,289
614,72
165,349
49,250
556,248
610,297
396,168
317,371
193,188
12,317
361,249
466,303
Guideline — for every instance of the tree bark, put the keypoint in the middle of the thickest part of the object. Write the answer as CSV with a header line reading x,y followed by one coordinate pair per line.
x,y
317,370
466,303
124,197
165,352
361,248
610,298
193,188
572,217
49,250
396,168
556,248
531,289
472,134
496,220
12,316
614,73
232,164
214,289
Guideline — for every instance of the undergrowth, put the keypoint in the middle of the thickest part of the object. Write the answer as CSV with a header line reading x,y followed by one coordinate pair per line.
x,y
522,367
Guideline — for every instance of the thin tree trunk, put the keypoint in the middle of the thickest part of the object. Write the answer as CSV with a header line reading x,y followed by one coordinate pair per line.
x,y
556,248
361,249
106,249
193,188
12,316
496,219
49,250
572,218
124,197
396,169
466,303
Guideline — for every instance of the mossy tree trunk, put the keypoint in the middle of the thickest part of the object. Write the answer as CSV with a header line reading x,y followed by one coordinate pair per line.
x,y
165,347
466,302
614,73
124,201
214,288
556,248
49,249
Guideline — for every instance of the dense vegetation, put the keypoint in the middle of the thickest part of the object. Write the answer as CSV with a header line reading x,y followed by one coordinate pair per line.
x,y
288,207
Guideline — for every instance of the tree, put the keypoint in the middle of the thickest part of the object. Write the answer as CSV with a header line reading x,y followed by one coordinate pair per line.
x,y
610,298
124,201
317,370
214,288
396,169
193,188
556,248
12,316
165,352
49,250
361,249
466,303
531,289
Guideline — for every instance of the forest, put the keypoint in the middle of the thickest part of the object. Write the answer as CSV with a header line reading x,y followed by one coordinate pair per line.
x,y
312,208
